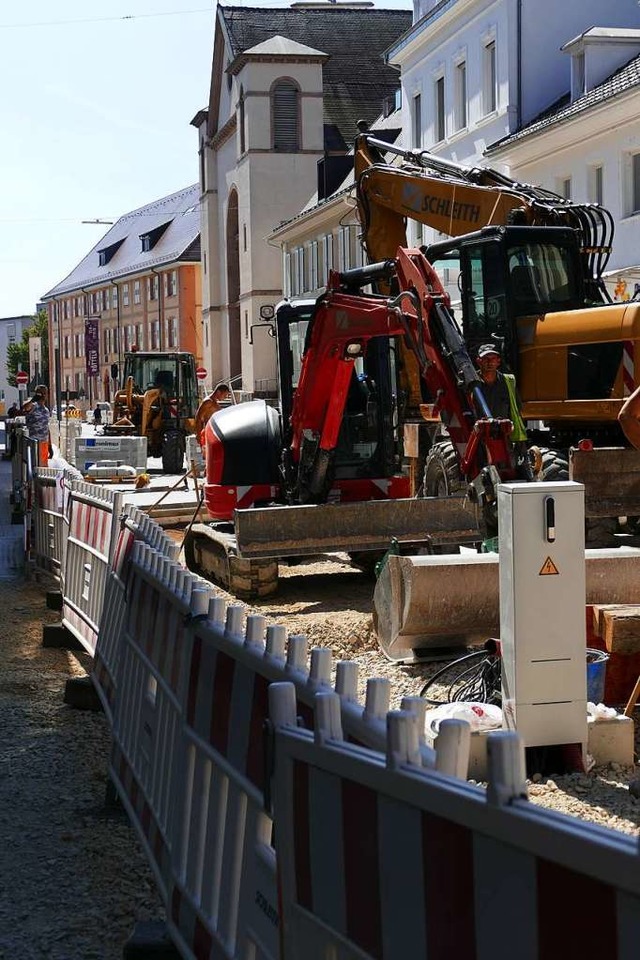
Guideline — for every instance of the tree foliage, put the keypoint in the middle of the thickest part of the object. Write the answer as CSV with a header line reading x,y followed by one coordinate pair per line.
x,y
18,351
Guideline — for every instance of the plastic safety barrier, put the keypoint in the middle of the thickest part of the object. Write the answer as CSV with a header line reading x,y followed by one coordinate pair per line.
x,y
49,523
135,526
93,529
24,460
188,757
378,858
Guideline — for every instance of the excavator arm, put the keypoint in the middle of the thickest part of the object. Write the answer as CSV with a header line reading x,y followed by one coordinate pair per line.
x,y
344,323
456,199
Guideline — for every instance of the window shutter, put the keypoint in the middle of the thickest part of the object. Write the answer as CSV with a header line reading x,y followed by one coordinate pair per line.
x,y
285,118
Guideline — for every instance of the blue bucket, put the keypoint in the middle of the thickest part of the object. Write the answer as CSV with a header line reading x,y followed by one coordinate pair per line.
x,y
596,674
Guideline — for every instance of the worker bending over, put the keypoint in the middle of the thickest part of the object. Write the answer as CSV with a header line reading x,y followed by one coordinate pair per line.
x,y
208,407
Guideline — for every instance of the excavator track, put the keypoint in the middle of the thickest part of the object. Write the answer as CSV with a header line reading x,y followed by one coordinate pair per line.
x,y
211,551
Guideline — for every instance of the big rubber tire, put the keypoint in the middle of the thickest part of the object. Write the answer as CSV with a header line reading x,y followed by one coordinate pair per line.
x,y
555,465
173,452
442,476
599,532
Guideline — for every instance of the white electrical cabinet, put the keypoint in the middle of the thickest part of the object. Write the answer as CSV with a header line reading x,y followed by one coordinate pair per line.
x,y
542,611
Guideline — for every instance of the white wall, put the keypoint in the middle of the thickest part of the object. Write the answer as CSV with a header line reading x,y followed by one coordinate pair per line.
x,y
608,139
546,26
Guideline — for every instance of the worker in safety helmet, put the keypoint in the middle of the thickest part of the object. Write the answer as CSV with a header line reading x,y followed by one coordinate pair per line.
x,y
210,405
499,390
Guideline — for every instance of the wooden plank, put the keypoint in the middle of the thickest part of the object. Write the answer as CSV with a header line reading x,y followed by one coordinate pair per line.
x,y
621,631
599,610
617,462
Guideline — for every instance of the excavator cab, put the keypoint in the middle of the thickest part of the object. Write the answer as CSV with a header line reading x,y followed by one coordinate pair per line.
x,y
507,278
368,442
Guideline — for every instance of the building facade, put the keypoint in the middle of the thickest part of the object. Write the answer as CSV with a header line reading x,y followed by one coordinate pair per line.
x,y
139,287
587,147
281,118
326,234
476,71
11,330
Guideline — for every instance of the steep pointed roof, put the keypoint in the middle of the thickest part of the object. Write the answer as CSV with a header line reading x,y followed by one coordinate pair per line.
x,y
283,47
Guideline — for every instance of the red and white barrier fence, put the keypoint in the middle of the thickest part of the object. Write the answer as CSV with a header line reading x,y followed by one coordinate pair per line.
x,y
49,523
379,858
189,751
93,529
134,526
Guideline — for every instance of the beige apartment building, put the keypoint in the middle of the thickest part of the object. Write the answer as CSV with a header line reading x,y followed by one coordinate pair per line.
x,y
138,288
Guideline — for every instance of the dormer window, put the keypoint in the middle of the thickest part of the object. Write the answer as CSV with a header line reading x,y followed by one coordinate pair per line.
x,y
579,80
107,253
148,240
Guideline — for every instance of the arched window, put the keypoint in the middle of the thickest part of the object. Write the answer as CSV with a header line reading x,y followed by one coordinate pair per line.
x,y
285,107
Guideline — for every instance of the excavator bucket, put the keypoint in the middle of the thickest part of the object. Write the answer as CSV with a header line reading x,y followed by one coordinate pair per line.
x,y
369,525
424,604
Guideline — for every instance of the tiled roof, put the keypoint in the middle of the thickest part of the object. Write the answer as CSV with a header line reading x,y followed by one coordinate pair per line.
x,y
356,79
179,242
624,79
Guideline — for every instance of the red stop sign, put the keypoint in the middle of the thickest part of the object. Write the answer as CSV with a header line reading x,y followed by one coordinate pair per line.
x,y
22,378
201,373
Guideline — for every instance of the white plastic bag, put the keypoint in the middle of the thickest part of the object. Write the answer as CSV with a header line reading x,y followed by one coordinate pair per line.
x,y
479,716
599,712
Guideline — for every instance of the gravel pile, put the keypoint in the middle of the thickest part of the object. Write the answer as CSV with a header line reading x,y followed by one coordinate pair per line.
x,y
330,602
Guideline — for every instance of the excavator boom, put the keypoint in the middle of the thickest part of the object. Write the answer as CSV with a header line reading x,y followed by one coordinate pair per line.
x,y
456,199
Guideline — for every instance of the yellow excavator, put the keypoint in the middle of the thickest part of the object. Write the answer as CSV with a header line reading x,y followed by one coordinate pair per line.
x,y
528,267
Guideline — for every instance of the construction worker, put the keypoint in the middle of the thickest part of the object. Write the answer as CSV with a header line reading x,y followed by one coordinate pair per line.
x,y
501,396
208,407
499,390
37,415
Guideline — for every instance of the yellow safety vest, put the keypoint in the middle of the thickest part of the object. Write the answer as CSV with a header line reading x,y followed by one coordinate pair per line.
x,y
519,429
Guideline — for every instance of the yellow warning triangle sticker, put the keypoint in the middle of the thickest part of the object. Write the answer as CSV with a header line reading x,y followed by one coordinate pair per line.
x,y
549,569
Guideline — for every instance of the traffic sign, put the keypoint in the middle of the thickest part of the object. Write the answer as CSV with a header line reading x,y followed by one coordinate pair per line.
x,y
201,373
22,378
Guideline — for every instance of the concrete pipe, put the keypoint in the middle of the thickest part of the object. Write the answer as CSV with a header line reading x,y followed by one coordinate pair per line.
x,y
453,601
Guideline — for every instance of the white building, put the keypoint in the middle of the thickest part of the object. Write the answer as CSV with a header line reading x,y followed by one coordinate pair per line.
x,y
475,71
11,330
282,113
587,147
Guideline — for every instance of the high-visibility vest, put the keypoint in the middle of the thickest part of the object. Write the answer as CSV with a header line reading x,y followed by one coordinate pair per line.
x,y
519,430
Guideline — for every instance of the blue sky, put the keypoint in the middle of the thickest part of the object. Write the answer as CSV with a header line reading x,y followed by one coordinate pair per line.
x,y
97,99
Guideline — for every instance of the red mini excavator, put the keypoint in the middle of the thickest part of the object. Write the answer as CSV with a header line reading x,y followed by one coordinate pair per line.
x,y
325,473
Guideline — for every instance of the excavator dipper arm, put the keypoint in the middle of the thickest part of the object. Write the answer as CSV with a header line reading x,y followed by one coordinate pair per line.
x,y
343,325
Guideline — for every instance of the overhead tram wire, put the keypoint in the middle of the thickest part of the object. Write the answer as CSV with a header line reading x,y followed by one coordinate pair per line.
x,y
130,16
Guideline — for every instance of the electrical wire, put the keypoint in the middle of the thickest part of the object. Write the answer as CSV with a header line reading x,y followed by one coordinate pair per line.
x,y
129,16
474,678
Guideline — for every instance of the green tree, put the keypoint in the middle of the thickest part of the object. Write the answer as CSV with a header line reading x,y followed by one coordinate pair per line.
x,y
18,352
